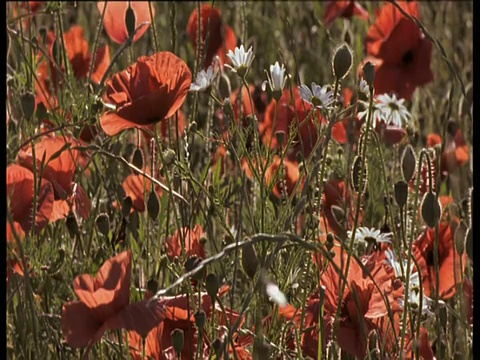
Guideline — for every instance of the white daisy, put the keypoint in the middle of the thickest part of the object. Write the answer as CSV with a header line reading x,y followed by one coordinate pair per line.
x,y
276,295
414,297
377,114
276,78
241,60
371,236
320,96
204,79
394,112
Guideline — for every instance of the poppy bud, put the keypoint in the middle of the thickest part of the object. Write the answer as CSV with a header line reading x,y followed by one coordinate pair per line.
x,y
126,206
72,225
369,73
224,87
338,214
152,287
211,284
401,193
191,264
203,240
217,346
168,157
200,318
178,340
330,241
460,237
469,243
409,161
130,21
249,261
153,206
355,175
342,61
280,136
431,209
137,158
103,224
27,102
57,52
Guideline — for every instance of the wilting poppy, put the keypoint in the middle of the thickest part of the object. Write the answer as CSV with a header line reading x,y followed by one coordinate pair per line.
x,y
449,271
191,242
115,20
216,36
287,114
50,81
21,193
178,315
149,91
345,9
60,166
400,51
104,305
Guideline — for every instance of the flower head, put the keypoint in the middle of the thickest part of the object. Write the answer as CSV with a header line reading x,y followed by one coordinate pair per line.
x,y
394,111
371,236
205,79
241,60
319,96
149,91
276,80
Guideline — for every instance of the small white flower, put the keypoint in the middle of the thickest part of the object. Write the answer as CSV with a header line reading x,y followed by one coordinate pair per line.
x,y
241,60
377,115
370,236
414,297
394,112
204,79
276,295
276,78
320,96
363,86
392,260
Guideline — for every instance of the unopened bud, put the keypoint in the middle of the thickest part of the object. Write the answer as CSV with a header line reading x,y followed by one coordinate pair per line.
x,y
103,224
168,157
369,73
359,182
153,205
27,102
249,261
130,21
137,158
342,61
401,193
178,340
211,284
200,318
431,209
409,162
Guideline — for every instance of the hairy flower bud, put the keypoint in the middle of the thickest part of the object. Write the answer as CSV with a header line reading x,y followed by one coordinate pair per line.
x,y
342,61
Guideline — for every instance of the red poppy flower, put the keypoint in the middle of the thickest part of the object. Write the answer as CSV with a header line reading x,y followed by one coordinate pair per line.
x,y
104,305
400,51
456,151
217,37
371,304
76,46
21,192
289,181
149,91
136,186
449,270
59,170
345,9
115,18
178,315
192,243
287,114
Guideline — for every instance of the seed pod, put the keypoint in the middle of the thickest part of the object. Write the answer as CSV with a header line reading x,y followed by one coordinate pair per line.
x,y
461,237
369,73
211,284
27,102
409,161
168,157
249,261
137,158
103,224
342,61
153,206
178,340
431,209
130,21
401,193
356,177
